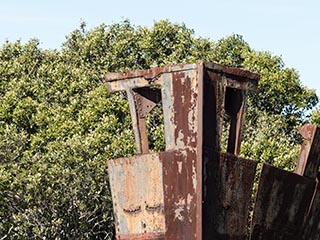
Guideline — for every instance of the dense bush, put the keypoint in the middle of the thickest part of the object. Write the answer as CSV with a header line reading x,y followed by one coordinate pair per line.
x,y
58,125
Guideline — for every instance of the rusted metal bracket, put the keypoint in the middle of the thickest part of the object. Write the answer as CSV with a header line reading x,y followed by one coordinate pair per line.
x,y
231,95
235,107
145,99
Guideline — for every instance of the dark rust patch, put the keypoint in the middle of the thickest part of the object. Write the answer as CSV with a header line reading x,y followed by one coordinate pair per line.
x,y
180,191
311,229
184,101
230,181
281,205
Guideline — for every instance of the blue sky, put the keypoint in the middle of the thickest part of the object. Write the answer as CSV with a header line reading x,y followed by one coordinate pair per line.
x,y
290,28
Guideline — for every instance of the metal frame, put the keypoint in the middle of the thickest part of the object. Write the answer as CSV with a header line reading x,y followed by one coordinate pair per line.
x,y
192,190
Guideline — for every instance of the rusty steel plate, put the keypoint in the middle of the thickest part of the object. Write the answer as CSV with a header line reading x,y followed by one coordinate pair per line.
x,y
228,196
236,182
155,195
137,191
311,229
281,205
182,109
181,191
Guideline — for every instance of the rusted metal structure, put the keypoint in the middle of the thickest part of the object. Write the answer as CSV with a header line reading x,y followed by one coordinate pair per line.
x,y
192,190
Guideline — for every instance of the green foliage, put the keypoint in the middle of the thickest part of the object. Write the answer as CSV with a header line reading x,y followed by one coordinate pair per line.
x,y
155,128
266,141
315,118
280,89
231,51
58,125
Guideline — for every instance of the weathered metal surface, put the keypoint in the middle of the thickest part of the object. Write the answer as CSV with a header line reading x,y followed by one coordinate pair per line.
x,y
141,101
148,73
181,191
142,78
309,157
192,190
219,92
230,181
185,104
235,105
181,93
229,87
200,189
180,90
227,180
235,77
136,124
236,182
240,78
155,195
230,91
145,99
138,198
281,205
311,228
308,166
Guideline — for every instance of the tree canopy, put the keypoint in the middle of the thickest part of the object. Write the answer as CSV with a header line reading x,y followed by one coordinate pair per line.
x,y
58,125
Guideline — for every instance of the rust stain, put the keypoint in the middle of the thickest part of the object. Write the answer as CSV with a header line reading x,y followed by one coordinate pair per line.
x,y
136,185
180,190
185,108
281,205
227,204
142,236
311,228
309,158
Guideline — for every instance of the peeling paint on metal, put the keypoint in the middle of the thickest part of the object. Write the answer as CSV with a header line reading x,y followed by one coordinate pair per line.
x,y
168,201
192,190
179,167
144,205
194,177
